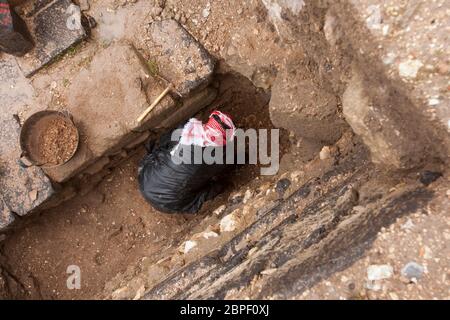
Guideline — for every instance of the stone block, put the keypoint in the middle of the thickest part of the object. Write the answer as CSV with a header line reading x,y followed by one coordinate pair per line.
x,y
54,26
107,98
305,108
180,58
390,134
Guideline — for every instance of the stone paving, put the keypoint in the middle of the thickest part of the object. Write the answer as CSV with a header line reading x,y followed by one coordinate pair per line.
x,y
55,26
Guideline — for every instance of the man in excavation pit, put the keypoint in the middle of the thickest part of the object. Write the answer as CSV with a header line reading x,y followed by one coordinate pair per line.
x,y
174,187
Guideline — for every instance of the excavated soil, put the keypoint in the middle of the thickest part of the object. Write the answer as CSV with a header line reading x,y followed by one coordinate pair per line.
x,y
57,142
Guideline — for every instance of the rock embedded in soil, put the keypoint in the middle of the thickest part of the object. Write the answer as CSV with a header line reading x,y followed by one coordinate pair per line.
x,y
379,272
210,234
391,136
189,245
412,270
247,196
309,110
219,210
6,216
325,153
282,186
17,182
427,177
181,59
228,223
84,5
409,68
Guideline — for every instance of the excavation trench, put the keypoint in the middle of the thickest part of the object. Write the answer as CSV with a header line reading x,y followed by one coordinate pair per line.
x,y
124,248
111,228
317,215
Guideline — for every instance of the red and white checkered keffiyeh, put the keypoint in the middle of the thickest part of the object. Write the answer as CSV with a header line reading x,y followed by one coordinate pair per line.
x,y
216,132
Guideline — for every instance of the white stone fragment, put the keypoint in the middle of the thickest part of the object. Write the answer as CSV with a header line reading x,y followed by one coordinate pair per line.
x,y
389,58
269,271
433,102
247,196
374,19
206,11
408,225
219,210
373,285
379,272
189,245
409,68
210,234
228,223
325,153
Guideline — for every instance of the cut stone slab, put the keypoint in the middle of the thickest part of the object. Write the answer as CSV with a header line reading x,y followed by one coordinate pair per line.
x,y
22,189
106,99
180,58
55,26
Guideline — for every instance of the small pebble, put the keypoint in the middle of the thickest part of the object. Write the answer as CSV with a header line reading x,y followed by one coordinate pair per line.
x,y
412,270
228,223
219,210
409,68
282,186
